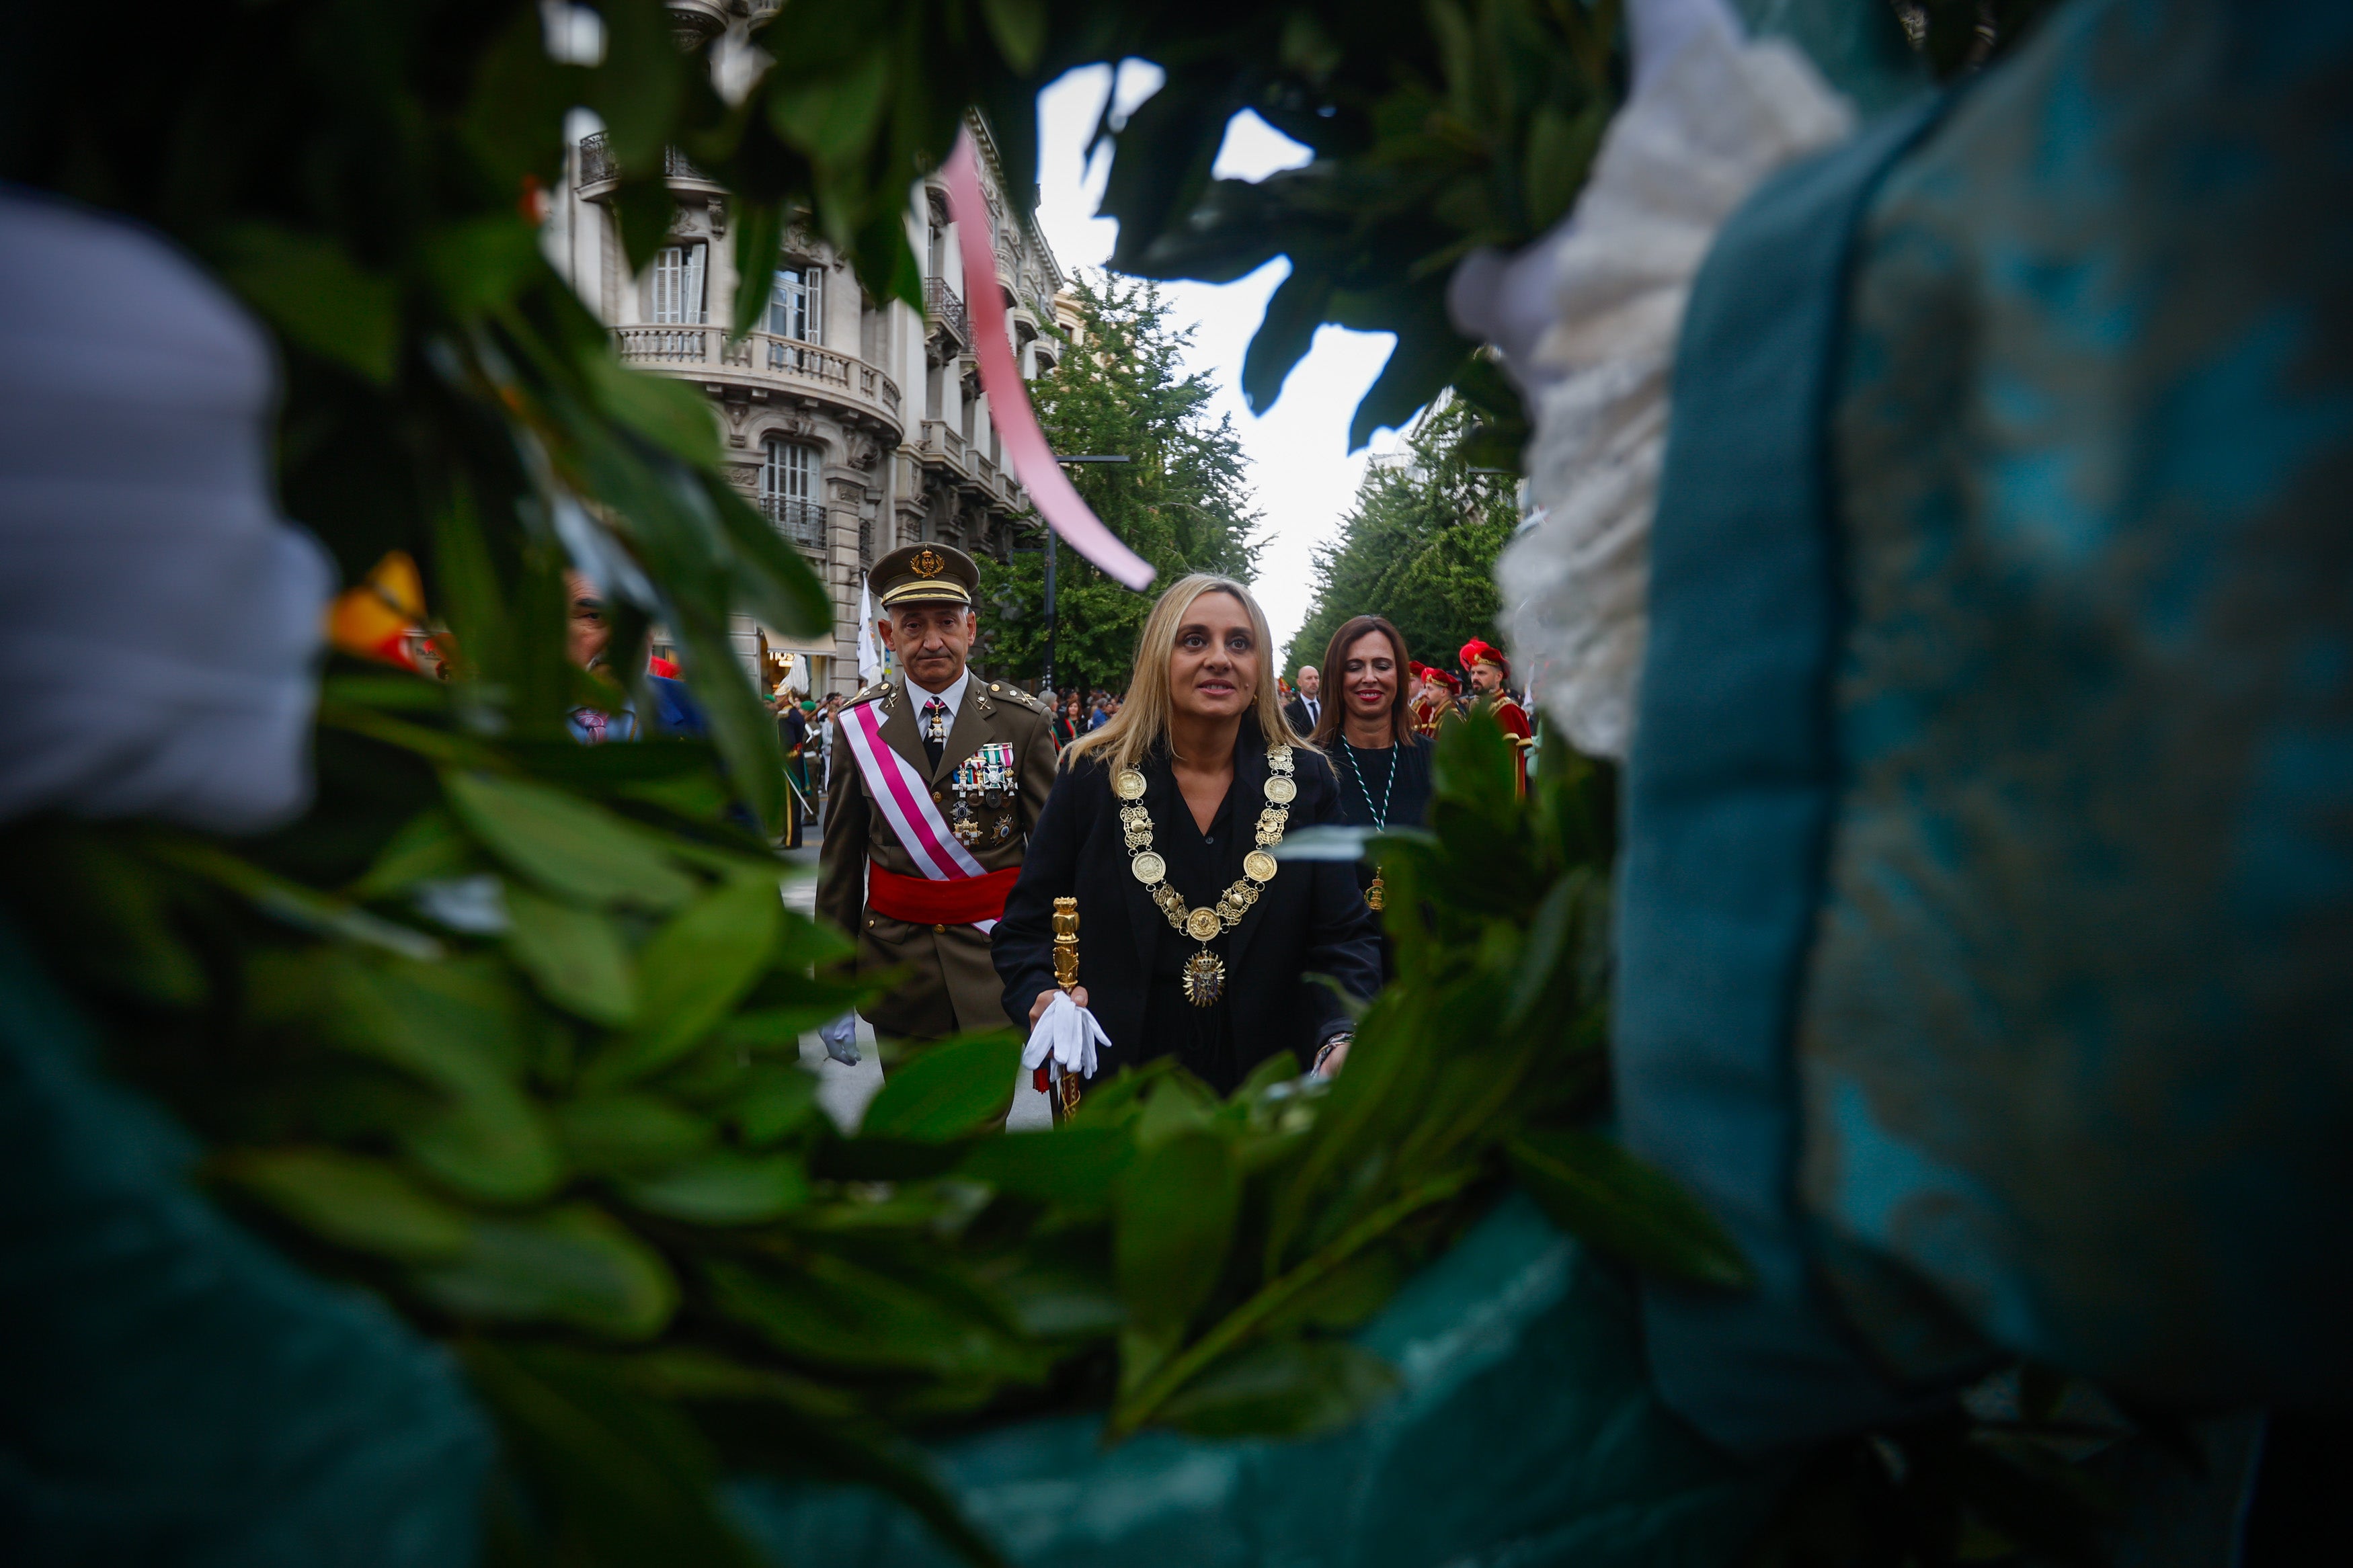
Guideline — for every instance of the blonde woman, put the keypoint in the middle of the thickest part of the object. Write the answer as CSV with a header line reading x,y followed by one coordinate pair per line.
x,y
1194,941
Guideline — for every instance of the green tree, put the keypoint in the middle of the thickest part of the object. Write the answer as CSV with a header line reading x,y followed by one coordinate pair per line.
x,y
1419,546
1182,501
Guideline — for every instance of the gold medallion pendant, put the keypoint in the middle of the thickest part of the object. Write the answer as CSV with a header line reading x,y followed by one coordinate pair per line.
x,y
1375,895
1205,979
1205,972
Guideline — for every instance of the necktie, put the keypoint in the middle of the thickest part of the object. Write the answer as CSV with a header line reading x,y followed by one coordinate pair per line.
x,y
935,730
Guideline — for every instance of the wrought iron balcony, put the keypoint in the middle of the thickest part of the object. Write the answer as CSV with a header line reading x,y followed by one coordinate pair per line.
x,y
600,167
945,309
801,521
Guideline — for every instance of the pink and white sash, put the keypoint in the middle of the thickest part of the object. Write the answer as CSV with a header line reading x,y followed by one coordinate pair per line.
x,y
905,797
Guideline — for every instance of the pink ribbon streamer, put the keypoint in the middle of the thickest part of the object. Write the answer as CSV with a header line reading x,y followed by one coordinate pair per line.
x,y
1008,398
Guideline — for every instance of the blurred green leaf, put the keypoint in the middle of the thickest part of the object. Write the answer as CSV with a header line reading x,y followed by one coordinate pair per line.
x,y
1345,1297
670,413
1293,1388
575,954
693,972
639,85
303,908
1599,1193
775,1100
489,1144
776,1030
480,264
350,1200
1075,1166
772,579
314,292
1018,27
1547,945
724,1188
1175,1223
428,846
829,1309
566,845
948,1091
623,1480
628,1134
829,115
575,1267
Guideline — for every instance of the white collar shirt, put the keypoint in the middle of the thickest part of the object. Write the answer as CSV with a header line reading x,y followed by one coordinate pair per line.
x,y
953,695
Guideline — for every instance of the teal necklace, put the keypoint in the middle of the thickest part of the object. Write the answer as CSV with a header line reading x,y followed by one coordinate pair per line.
x,y
1375,895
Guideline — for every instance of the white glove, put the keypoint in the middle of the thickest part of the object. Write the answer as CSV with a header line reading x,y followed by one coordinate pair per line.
x,y
840,1038
1068,1033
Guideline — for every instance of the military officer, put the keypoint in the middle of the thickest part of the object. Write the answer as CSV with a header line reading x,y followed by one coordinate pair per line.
x,y
938,777
1490,676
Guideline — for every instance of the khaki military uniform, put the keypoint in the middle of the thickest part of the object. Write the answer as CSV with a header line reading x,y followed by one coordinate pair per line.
x,y
952,986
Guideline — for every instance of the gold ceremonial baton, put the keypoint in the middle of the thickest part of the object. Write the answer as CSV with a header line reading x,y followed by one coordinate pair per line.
x,y
1064,1092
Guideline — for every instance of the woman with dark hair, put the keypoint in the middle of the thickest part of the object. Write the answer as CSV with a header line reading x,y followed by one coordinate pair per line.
x,y
1196,941
1367,729
1069,717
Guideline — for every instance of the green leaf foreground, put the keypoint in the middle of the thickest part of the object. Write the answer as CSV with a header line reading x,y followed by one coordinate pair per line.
x,y
590,1121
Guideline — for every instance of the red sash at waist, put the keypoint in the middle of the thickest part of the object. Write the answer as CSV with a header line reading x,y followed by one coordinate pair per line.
x,y
923,901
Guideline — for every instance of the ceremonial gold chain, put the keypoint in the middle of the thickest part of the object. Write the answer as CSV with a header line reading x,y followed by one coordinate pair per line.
x,y
1205,973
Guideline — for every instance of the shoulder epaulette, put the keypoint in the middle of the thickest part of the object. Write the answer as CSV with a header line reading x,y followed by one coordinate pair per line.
x,y
1004,692
880,689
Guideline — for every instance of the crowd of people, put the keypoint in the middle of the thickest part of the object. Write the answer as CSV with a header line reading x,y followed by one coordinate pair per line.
x,y
960,812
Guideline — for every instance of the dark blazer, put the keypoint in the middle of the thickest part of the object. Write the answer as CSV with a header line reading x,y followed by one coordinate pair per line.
x,y
1296,711
1311,920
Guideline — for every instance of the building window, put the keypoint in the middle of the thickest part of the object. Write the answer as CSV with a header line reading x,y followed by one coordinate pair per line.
x,y
788,492
796,303
678,285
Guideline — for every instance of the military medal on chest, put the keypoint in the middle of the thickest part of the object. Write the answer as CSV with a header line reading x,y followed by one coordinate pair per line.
x,y
987,778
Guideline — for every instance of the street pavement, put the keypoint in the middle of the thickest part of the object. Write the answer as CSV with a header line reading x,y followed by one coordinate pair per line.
x,y
844,1092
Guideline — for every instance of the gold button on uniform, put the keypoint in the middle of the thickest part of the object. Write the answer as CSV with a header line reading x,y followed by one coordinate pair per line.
x,y
939,928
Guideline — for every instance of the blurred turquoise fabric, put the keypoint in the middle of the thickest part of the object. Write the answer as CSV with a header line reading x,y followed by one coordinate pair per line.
x,y
2076,1050
1986,909
1527,1433
172,1392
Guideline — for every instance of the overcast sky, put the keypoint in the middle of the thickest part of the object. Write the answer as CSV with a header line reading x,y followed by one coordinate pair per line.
x,y
1300,467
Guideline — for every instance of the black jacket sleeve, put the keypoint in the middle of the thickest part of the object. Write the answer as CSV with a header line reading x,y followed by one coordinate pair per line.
x,y
1023,942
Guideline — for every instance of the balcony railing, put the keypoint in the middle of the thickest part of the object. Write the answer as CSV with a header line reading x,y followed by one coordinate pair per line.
x,y
801,521
766,353
942,305
600,167
940,441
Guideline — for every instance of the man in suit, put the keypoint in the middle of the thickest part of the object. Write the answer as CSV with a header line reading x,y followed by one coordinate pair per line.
x,y
938,777
1307,707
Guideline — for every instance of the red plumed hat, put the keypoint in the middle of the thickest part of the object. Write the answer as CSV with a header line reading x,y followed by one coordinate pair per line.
x,y
1479,651
1437,676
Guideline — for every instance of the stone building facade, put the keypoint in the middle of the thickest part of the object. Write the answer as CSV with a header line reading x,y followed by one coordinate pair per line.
x,y
854,424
